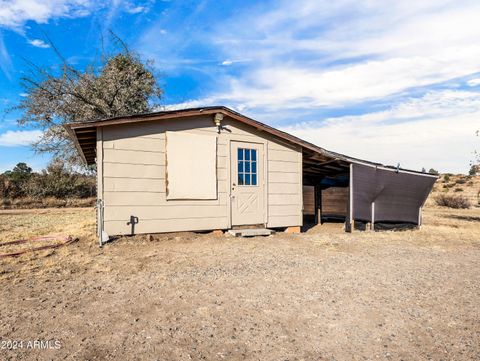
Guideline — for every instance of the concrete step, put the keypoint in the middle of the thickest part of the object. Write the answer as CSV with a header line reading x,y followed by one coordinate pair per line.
x,y
250,232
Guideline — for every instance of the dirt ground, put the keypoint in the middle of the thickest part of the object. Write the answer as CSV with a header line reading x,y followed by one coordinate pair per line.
x,y
320,295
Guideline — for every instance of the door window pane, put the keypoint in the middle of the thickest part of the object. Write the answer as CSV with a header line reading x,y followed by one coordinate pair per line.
x,y
247,167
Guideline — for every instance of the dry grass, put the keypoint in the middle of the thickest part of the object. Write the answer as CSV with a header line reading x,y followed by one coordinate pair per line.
x,y
47,202
455,184
27,223
441,227
323,294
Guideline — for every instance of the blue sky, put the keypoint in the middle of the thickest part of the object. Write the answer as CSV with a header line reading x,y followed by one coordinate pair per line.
x,y
389,81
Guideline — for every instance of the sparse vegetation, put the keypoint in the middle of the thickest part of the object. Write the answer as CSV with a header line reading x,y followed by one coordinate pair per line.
x,y
433,171
474,169
55,186
452,201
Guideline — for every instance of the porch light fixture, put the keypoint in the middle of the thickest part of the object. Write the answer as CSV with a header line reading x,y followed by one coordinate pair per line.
x,y
218,121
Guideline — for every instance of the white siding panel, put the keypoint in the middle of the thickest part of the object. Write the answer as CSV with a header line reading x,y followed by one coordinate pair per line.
x,y
282,188
222,174
134,185
279,166
134,170
123,213
137,143
283,199
283,210
146,198
285,185
284,177
134,157
167,225
282,155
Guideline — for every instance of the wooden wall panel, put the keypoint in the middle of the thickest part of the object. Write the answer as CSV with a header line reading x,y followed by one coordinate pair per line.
x,y
309,200
335,201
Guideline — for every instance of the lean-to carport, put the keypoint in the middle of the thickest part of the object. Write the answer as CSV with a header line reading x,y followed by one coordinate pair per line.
x,y
373,193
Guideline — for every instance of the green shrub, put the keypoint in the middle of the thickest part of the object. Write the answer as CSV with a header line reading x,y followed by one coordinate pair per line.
x,y
446,178
474,169
458,190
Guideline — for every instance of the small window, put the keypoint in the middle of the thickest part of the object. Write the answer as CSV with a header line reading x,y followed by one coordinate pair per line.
x,y
247,167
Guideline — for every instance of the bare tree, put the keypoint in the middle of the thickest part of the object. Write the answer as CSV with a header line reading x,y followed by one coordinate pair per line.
x,y
121,84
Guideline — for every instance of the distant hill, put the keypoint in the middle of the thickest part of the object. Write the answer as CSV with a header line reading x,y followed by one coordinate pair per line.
x,y
457,184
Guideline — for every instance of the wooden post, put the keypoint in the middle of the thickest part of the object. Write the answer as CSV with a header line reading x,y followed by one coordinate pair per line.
x,y
318,204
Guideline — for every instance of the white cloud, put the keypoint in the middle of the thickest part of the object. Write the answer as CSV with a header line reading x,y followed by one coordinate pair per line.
x,y
231,62
324,53
38,43
474,82
15,13
308,56
5,60
15,138
287,87
137,9
197,103
437,130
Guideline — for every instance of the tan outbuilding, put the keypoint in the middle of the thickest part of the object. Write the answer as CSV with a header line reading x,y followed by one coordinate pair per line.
x,y
210,169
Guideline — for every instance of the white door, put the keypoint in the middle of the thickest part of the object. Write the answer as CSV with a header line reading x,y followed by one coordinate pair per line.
x,y
247,183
